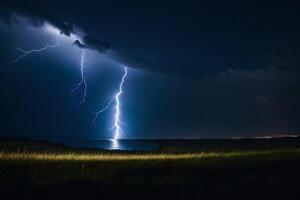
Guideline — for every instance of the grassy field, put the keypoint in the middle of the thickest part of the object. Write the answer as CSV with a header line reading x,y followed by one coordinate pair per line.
x,y
58,172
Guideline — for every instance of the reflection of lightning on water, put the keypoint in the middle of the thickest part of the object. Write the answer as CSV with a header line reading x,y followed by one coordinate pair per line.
x,y
26,53
82,82
117,114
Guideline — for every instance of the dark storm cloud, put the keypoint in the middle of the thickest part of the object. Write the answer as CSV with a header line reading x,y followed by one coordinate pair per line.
x,y
90,42
35,16
38,18
102,46
94,42
270,86
206,40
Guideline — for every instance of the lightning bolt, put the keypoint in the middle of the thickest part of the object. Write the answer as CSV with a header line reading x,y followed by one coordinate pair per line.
x,y
117,106
117,112
25,53
102,110
82,82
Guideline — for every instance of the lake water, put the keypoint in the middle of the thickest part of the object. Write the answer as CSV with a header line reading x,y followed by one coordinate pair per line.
x,y
125,145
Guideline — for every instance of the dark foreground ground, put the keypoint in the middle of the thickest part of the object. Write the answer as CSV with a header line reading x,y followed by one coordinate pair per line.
x,y
214,169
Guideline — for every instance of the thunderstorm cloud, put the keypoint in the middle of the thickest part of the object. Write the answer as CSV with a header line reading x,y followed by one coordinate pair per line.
x,y
9,13
38,18
210,54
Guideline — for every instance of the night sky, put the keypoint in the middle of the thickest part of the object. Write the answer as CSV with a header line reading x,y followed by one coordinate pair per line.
x,y
195,70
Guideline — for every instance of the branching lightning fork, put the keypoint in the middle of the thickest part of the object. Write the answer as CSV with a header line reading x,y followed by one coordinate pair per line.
x,y
117,114
117,107
102,110
82,82
26,53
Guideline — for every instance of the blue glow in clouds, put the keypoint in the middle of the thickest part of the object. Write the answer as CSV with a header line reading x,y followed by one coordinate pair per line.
x,y
117,109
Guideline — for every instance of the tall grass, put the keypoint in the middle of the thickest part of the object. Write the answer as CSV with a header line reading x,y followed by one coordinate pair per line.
x,y
57,156
199,175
